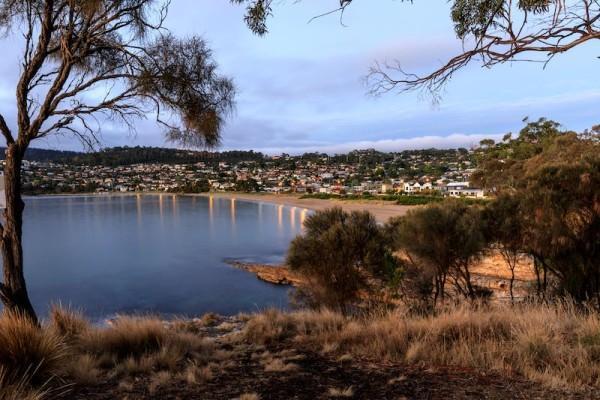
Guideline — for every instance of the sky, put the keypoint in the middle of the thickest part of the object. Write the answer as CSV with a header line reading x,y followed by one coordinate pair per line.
x,y
301,87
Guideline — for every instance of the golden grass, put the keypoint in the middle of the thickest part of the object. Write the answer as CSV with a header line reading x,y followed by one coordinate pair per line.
x,y
346,392
249,396
558,346
67,323
74,351
11,389
27,351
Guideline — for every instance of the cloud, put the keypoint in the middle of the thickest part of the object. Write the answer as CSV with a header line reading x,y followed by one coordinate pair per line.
x,y
422,142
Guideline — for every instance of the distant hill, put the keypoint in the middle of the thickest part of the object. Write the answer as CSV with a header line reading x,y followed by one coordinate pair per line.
x,y
33,154
135,155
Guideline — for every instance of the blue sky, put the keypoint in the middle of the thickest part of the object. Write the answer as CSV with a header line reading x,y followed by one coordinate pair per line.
x,y
300,88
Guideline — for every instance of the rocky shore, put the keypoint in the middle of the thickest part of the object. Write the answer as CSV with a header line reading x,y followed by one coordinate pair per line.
x,y
275,274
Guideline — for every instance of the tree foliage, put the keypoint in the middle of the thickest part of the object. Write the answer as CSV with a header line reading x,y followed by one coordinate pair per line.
x,y
442,240
87,61
121,49
548,206
338,253
511,163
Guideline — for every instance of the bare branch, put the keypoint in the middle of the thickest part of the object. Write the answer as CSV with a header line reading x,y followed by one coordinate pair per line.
x,y
6,131
506,34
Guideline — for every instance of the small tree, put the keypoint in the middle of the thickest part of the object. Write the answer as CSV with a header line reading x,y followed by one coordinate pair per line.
x,y
89,59
447,237
504,226
562,226
338,253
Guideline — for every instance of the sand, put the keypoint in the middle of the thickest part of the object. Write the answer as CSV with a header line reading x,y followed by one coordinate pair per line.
x,y
382,210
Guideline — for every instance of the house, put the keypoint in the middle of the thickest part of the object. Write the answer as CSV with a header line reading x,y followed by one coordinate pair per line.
x,y
412,187
463,189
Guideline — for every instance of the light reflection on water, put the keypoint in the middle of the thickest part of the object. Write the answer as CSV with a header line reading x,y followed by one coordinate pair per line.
x,y
154,253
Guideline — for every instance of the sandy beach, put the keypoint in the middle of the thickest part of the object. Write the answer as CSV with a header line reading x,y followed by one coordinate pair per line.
x,y
382,210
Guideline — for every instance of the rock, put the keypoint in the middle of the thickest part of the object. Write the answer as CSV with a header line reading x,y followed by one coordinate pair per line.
x,y
277,275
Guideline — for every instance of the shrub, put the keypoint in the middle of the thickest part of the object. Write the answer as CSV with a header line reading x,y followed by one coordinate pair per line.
x,y
337,254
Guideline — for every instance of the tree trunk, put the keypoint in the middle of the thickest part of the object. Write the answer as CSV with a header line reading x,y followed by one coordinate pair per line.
x,y
13,290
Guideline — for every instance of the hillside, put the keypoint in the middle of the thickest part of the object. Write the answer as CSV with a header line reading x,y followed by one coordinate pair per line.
x,y
136,155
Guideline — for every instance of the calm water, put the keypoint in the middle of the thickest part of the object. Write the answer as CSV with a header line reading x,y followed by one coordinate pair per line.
x,y
153,253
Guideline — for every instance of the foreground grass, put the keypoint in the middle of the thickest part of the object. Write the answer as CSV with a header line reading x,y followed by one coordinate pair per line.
x,y
556,346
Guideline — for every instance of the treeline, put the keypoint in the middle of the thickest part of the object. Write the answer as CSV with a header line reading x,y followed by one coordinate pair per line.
x,y
141,155
45,155
547,208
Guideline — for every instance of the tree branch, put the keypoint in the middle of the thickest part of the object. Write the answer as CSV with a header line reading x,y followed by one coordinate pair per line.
x,y
6,131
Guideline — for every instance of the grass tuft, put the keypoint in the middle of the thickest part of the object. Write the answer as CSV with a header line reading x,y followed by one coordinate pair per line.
x,y
27,350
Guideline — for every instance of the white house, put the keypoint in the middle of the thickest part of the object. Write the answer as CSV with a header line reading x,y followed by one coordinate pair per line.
x,y
413,187
463,189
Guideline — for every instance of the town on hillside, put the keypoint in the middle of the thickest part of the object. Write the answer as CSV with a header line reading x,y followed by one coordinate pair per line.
x,y
360,172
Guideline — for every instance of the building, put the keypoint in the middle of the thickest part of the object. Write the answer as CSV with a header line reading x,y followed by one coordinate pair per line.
x,y
463,189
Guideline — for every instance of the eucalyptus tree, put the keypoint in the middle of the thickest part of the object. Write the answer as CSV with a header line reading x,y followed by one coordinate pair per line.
x,y
492,31
85,61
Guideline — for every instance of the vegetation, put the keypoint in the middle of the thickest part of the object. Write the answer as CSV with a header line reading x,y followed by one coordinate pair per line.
x,y
441,242
338,253
137,357
35,360
72,48
528,340
546,209
139,155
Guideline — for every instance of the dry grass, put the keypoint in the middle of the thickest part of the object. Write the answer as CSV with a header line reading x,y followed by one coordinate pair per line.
x,y
249,396
126,337
555,345
335,392
195,374
160,379
71,349
279,365
27,351
67,323
20,389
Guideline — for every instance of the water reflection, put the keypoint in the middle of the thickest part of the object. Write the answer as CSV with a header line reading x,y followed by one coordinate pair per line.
x,y
138,207
232,207
293,217
303,216
161,207
280,217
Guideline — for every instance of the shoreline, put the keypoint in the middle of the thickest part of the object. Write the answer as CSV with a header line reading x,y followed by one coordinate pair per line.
x,y
382,210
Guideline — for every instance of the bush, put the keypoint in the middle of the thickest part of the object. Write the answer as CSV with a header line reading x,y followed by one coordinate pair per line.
x,y
338,254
